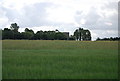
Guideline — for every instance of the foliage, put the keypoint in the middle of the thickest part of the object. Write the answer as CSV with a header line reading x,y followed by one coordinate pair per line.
x,y
79,34
72,37
28,34
7,34
0,34
82,34
14,27
109,39
13,33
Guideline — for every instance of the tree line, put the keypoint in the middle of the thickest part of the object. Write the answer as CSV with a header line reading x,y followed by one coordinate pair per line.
x,y
29,34
82,34
108,39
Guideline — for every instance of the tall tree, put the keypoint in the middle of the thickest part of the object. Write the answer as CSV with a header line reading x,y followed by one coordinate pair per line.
x,y
82,34
14,27
76,34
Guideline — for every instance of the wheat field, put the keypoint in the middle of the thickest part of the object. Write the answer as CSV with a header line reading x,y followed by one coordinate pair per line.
x,y
55,59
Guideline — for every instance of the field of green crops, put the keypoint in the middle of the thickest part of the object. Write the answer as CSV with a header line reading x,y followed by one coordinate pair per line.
x,y
54,59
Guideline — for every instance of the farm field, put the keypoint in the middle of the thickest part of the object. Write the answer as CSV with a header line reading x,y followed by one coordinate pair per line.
x,y
55,59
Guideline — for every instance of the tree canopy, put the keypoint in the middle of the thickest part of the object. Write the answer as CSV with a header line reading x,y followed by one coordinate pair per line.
x,y
108,39
14,27
81,34
28,34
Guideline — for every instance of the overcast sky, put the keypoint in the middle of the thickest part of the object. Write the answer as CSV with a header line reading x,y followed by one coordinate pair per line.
x,y
99,16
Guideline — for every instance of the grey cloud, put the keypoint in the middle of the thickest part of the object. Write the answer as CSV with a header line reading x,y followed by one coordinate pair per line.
x,y
104,33
92,17
11,14
36,14
4,19
95,22
119,18
78,16
32,15
110,5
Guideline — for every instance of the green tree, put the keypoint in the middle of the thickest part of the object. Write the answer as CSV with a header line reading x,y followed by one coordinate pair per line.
x,y
72,37
51,35
14,27
86,35
39,35
28,34
0,34
7,34
60,36
76,34
81,34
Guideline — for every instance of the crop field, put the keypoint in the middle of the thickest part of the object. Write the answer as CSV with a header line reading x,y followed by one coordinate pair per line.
x,y
55,59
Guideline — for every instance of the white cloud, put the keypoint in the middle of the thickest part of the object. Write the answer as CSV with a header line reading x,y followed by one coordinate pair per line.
x,y
3,21
108,23
60,14
103,34
99,16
